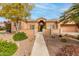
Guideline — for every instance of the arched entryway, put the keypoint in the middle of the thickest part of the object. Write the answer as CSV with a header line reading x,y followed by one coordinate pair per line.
x,y
41,25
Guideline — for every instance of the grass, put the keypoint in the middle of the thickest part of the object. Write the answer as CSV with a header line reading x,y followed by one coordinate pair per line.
x,y
20,36
2,32
7,48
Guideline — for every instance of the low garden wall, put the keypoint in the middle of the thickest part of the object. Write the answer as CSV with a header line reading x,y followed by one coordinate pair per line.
x,y
30,33
70,33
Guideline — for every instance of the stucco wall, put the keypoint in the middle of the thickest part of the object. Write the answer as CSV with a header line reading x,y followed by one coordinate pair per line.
x,y
48,24
69,28
25,27
28,32
49,28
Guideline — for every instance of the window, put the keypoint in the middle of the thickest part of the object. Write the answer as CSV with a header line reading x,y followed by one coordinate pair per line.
x,y
32,27
54,27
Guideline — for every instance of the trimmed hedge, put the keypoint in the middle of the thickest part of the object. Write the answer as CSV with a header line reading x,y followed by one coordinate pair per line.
x,y
7,48
20,36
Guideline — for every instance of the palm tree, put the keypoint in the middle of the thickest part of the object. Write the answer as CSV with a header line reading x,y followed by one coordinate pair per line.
x,y
72,14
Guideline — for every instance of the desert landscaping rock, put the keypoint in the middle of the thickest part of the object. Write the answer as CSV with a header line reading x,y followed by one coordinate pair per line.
x,y
24,47
69,50
54,45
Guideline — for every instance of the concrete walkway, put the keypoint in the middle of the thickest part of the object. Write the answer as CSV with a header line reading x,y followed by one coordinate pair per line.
x,y
39,48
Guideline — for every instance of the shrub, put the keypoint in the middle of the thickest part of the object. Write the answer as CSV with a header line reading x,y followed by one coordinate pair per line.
x,y
60,35
78,37
63,40
2,28
20,36
7,48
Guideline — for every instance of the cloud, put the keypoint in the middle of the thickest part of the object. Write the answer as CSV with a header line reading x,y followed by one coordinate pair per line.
x,y
51,7
63,9
49,10
46,6
41,6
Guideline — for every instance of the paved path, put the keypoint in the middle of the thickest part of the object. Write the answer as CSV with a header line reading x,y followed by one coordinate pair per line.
x,y
39,48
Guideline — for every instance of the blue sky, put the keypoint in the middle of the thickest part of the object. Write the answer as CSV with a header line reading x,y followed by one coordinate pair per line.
x,y
47,10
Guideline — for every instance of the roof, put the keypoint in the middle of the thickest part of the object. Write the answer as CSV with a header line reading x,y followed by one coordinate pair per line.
x,y
68,24
2,24
44,19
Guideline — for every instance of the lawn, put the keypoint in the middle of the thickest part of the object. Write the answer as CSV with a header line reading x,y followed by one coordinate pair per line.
x,y
24,46
1,32
7,48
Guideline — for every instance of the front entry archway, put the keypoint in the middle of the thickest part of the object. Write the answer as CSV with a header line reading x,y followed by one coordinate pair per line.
x,y
41,25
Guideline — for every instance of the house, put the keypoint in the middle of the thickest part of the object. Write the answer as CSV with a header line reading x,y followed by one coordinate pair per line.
x,y
69,28
47,26
2,24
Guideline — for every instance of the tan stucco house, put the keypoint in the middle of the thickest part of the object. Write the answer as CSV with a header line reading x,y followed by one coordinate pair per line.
x,y
47,26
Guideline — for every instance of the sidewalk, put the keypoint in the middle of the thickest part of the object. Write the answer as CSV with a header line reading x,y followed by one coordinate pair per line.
x,y
39,48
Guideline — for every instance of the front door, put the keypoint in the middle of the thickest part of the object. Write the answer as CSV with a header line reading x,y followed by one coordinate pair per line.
x,y
41,25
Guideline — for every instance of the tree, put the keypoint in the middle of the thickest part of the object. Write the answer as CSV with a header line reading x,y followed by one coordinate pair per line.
x,y
16,12
72,14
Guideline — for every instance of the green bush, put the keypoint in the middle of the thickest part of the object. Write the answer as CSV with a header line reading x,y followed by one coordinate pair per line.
x,y
2,28
63,40
20,36
7,48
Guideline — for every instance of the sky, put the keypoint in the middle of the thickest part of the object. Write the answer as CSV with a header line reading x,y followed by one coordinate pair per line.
x,y
47,10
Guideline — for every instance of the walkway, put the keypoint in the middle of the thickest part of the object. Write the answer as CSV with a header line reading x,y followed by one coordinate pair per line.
x,y
39,48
